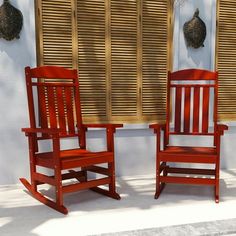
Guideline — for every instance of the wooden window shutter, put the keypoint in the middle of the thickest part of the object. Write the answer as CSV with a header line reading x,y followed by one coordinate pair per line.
x,y
91,24
154,59
226,59
54,21
120,49
139,59
124,79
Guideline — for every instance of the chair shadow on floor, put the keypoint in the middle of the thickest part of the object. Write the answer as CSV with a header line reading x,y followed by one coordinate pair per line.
x,y
135,193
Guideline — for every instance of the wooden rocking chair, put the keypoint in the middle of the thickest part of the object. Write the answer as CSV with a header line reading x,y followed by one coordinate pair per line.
x,y
56,90
191,91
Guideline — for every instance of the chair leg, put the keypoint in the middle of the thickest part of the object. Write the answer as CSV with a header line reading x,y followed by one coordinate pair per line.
x,y
106,193
217,179
42,198
165,173
109,193
85,174
59,194
217,187
217,192
158,184
112,186
32,171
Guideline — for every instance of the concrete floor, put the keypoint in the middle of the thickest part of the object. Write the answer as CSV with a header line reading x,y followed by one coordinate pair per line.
x,y
94,214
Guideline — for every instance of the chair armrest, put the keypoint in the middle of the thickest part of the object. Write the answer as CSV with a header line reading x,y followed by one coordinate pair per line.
x,y
158,127
220,128
41,130
52,132
107,126
110,130
157,130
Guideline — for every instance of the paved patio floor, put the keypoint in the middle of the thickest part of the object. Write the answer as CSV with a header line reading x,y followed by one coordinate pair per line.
x,y
180,208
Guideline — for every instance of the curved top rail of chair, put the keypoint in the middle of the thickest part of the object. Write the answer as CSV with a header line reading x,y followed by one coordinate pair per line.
x,y
52,72
193,74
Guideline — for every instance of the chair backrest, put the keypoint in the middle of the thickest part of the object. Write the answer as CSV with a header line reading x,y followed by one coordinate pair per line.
x,y
190,94
56,91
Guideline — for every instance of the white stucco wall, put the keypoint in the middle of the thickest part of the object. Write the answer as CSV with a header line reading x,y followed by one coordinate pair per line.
x,y
14,56
187,57
135,145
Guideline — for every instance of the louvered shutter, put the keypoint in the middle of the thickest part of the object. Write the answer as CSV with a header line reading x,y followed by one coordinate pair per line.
x,y
119,48
123,59
226,59
154,58
55,32
91,23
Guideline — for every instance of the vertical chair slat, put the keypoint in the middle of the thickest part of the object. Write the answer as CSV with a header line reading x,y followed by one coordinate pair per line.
x,y
196,103
42,107
69,108
187,101
205,110
52,107
178,101
61,109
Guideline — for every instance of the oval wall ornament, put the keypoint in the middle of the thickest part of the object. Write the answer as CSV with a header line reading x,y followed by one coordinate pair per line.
x,y
11,21
195,31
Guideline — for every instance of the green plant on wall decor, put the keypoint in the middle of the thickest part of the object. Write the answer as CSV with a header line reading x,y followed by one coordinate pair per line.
x,y
11,21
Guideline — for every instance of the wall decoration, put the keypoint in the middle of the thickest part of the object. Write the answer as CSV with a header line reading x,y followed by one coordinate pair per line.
x,y
11,21
195,31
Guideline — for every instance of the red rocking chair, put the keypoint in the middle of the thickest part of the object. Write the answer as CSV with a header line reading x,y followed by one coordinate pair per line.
x,y
190,91
56,90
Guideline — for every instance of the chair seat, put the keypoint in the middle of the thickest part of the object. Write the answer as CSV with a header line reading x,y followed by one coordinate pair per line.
x,y
189,154
74,158
190,150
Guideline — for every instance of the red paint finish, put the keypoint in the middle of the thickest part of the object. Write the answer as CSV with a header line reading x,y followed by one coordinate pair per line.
x,y
205,110
195,83
196,103
60,117
187,102
178,109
